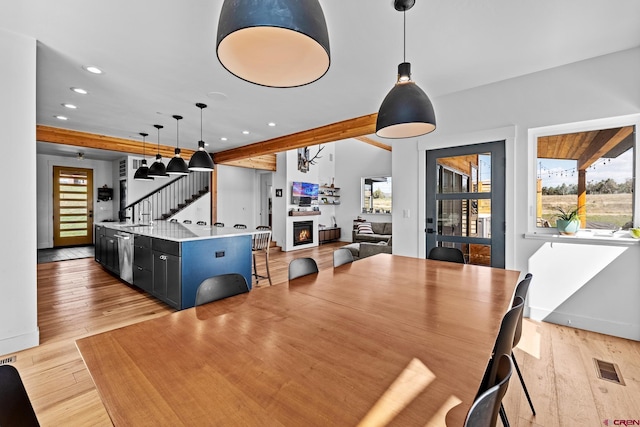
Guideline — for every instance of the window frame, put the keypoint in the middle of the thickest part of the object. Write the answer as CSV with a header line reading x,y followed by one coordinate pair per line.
x,y
584,126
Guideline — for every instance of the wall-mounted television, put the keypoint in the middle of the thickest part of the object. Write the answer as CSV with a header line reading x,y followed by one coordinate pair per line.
x,y
304,193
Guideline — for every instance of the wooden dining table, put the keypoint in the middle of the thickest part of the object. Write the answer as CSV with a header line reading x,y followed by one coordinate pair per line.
x,y
386,340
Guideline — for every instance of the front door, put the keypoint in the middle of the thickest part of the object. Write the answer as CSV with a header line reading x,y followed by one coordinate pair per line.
x,y
72,206
465,201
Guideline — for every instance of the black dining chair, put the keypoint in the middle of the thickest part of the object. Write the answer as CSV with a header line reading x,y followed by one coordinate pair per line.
x,y
301,267
15,406
484,410
218,224
240,226
441,253
219,287
503,345
521,291
342,256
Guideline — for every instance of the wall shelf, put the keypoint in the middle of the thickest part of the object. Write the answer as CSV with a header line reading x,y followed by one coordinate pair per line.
x,y
304,213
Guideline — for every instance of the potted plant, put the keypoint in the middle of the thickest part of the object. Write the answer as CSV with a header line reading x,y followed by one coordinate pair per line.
x,y
567,222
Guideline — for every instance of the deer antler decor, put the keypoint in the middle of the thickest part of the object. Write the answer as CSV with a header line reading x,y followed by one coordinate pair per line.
x,y
303,158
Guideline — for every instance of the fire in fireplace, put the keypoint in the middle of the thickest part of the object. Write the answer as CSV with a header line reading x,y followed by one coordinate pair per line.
x,y
302,232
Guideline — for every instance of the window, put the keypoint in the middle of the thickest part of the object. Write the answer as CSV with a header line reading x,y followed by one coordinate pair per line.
x,y
376,195
591,170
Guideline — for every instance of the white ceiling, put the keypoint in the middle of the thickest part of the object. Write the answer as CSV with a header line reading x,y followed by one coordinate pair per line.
x,y
159,60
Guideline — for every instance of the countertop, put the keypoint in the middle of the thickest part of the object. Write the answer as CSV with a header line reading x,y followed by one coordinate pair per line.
x,y
176,231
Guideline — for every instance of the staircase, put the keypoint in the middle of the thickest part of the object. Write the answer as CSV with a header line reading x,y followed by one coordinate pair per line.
x,y
169,199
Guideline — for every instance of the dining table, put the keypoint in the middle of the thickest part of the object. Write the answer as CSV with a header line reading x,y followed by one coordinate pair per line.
x,y
385,340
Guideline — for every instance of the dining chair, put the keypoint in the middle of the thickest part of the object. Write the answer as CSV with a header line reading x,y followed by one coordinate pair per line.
x,y
186,221
503,345
260,243
342,256
441,253
484,410
219,287
301,267
218,224
240,226
522,289
201,223
15,406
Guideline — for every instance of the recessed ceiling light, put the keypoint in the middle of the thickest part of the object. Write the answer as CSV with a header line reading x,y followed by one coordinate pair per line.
x,y
245,132
223,139
217,96
73,107
271,124
93,69
79,90
61,117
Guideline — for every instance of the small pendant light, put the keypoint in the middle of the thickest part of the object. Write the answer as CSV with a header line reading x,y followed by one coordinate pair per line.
x,y
274,43
177,165
406,111
142,173
157,169
201,160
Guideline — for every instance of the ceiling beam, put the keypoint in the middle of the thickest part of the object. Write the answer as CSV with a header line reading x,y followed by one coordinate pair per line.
x,y
266,162
604,142
352,128
103,142
374,143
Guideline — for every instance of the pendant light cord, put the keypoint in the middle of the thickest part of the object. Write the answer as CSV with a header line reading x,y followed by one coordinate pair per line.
x,y
404,52
177,133
201,108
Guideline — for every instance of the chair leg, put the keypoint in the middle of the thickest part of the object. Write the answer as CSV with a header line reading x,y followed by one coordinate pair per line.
x,y
266,256
524,386
255,269
503,416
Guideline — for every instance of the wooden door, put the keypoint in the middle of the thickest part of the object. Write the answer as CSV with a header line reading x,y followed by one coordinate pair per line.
x,y
72,206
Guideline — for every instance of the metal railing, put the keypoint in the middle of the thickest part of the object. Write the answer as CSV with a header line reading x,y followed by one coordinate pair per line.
x,y
169,199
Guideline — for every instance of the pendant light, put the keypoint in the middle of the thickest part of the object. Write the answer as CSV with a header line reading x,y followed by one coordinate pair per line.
x,y
177,165
274,43
142,173
406,111
157,169
201,160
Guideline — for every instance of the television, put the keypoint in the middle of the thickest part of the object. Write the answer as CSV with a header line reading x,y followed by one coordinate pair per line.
x,y
304,193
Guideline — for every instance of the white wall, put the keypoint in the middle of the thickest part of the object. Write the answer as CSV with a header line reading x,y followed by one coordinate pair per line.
x,y
102,175
606,86
355,160
18,301
237,201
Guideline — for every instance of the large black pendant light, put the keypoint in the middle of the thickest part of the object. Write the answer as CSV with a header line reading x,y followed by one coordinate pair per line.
x,y
142,173
275,43
157,169
406,111
201,160
177,165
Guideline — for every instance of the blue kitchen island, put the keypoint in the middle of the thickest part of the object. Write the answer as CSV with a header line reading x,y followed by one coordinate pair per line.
x,y
170,260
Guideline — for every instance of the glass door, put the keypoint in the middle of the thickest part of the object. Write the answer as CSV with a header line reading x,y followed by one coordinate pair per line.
x,y
73,206
465,201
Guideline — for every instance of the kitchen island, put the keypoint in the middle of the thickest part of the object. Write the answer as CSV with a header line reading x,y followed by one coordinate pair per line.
x,y
170,260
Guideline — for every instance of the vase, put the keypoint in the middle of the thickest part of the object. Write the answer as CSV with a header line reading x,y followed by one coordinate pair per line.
x,y
566,227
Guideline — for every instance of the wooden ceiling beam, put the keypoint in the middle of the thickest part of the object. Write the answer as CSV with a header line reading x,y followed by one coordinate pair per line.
x,y
373,142
604,141
103,142
352,128
266,162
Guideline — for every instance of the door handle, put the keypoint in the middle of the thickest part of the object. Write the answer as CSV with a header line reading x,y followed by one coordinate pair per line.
x,y
430,230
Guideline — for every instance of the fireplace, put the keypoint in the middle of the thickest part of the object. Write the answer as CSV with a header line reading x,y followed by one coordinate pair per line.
x,y
302,233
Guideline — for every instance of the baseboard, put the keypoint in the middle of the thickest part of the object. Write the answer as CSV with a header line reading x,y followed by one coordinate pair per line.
x,y
20,342
602,326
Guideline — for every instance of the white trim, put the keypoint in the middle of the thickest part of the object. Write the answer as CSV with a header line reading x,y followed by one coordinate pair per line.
x,y
603,326
506,134
585,237
584,126
20,342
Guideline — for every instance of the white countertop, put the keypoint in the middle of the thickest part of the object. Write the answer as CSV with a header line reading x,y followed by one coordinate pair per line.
x,y
178,232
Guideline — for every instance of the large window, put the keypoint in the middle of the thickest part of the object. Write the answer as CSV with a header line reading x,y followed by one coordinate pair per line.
x,y
592,171
376,195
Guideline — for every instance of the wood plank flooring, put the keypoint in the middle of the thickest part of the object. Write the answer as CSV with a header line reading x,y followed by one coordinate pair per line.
x,y
78,298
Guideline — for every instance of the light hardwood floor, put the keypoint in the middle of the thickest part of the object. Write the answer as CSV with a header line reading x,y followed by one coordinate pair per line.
x,y
78,298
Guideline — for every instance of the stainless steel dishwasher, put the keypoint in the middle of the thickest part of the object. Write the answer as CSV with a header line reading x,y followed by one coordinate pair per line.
x,y
125,255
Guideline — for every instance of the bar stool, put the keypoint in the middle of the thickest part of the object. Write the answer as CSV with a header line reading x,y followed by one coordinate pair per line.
x,y
261,242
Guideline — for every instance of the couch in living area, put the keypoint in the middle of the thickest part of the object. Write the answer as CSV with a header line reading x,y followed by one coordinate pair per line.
x,y
380,232
367,249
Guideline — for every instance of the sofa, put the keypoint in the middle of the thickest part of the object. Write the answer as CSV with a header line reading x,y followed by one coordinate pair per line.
x,y
367,249
381,232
